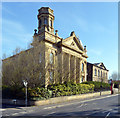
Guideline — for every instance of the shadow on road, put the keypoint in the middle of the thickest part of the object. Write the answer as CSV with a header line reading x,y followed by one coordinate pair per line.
x,y
12,106
91,113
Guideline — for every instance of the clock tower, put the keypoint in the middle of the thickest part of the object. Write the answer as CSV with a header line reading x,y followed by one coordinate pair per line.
x,y
45,20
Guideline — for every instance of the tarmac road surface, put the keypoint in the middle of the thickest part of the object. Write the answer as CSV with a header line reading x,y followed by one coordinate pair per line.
x,y
106,106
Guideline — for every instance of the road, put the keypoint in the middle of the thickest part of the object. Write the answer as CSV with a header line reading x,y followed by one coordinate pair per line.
x,y
106,106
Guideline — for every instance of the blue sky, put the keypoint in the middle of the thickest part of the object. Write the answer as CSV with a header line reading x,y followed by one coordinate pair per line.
x,y
96,24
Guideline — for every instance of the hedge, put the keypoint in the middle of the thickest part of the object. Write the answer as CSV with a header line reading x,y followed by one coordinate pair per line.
x,y
70,89
54,90
99,85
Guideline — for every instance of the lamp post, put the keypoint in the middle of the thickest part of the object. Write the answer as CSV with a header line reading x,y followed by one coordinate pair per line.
x,y
25,84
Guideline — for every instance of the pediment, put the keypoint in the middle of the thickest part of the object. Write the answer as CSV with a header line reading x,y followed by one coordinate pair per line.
x,y
74,43
101,65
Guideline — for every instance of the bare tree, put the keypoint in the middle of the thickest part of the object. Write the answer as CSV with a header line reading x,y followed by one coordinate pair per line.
x,y
114,76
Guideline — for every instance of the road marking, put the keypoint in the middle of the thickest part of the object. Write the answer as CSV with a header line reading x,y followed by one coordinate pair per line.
x,y
78,102
2,109
51,113
107,115
81,105
23,112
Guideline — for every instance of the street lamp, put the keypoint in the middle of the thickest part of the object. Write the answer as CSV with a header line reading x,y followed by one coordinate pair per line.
x,y
25,84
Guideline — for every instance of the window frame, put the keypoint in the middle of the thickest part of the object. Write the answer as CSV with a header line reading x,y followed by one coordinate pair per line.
x,y
45,21
95,72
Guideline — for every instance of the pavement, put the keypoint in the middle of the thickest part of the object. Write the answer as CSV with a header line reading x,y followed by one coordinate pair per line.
x,y
103,106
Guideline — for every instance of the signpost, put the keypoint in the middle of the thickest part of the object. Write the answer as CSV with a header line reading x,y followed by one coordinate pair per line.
x,y
25,84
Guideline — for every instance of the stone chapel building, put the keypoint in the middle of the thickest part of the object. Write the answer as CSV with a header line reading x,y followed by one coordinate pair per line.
x,y
68,55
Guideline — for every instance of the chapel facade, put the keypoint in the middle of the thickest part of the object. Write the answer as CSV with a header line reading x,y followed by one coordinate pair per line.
x,y
64,59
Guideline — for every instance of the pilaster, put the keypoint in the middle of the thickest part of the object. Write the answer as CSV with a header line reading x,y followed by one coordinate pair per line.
x,y
69,56
75,69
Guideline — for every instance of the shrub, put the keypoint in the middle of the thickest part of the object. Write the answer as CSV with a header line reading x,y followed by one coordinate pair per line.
x,y
55,90
70,89
40,93
98,85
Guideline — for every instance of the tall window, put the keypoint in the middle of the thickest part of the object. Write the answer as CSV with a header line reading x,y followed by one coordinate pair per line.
x,y
95,72
45,21
40,23
82,67
40,58
98,73
50,23
101,73
51,76
51,58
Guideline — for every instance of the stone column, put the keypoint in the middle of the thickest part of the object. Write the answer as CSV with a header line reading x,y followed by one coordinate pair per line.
x,y
85,70
80,71
69,56
46,72
62,68
75,69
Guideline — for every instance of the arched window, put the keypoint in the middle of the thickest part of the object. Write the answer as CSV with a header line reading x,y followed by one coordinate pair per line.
x,y
45,21
51,58
95,72
40,58
98,73
82,67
